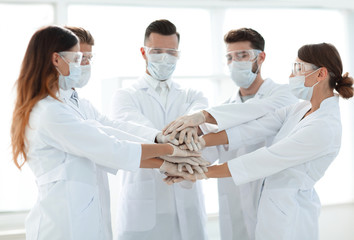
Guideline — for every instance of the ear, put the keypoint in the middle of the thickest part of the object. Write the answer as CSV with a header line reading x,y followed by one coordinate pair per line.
x,y
55,59
142,50
322,74
261,57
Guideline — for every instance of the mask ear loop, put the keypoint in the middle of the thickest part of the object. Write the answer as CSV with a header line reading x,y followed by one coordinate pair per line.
x,y
255,61
317,82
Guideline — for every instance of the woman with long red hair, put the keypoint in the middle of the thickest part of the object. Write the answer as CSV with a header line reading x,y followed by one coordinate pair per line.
x,y
63,147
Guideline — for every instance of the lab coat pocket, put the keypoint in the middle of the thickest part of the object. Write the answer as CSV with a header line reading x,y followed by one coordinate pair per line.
x,y
85,210
137,211
277,213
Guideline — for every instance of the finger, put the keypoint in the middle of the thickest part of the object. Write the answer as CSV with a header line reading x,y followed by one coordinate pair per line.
x,y
173,135
178,179
195,136
191,154
198,169
189,168
181,127
174,141
195,148
189,146
198,146
189,137
205,169
197,160
174,126
182,135
180,167
183,147
164,130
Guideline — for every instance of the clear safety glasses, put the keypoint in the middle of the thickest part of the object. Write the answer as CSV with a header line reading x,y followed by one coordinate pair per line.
x,y
299,68
169,51
72,57
87,58
242,55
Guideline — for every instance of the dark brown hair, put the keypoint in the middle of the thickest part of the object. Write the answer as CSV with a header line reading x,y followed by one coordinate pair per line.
x,y
38,78
83,35
326,55
163,27
245,34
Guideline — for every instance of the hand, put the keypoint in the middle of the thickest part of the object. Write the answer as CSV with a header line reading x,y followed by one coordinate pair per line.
x,y
160,138
200,144
177,152
194,161
190,168
171,170
171,180
183,122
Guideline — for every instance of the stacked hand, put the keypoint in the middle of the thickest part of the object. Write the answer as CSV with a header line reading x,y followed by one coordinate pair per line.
x,y
174,175
187,137
183,122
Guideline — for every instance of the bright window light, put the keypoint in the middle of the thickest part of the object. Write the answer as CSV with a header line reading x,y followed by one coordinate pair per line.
x,y
18,188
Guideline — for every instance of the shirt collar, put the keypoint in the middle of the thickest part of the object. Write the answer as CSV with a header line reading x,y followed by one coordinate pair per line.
x,y
65,94
154,83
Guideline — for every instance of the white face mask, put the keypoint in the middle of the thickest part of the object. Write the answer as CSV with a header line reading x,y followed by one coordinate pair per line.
x,y
163,68
241,73
85,76
298,88
68,82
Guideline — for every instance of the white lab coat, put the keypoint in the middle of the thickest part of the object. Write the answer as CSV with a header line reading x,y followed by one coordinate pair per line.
x,y
238,204
149,208
69,150
301,152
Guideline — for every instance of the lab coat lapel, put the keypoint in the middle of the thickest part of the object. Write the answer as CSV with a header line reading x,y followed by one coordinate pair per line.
x,y
172,95
143,85
73,106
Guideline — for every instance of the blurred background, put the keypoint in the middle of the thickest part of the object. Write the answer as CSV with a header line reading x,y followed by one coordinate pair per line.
x,y
118,27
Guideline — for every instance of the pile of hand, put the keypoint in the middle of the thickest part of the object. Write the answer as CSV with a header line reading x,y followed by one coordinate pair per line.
x,y
186,162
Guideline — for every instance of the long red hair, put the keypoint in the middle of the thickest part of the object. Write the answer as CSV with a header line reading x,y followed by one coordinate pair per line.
x,y
38,79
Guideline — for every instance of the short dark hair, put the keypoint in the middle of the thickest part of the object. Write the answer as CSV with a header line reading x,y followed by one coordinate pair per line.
x,y
245,34
163,27
83,35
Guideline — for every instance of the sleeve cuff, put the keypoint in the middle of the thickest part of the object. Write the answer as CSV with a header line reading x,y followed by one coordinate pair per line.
x,y
234,138
238,171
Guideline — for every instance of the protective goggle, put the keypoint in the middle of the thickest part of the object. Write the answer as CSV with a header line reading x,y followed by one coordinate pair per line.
x,y
87,58
72,57
299,68
242,55
170,51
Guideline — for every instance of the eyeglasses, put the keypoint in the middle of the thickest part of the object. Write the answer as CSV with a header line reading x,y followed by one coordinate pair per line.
x,y
72,57
299,68
242,55
86,58
170,51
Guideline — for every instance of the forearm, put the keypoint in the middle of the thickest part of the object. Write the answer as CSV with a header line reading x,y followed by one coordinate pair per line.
x,y
214,139
155,150
151,163
218,171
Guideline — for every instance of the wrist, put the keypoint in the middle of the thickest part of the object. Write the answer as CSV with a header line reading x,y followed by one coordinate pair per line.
x,y
208,117
168,149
